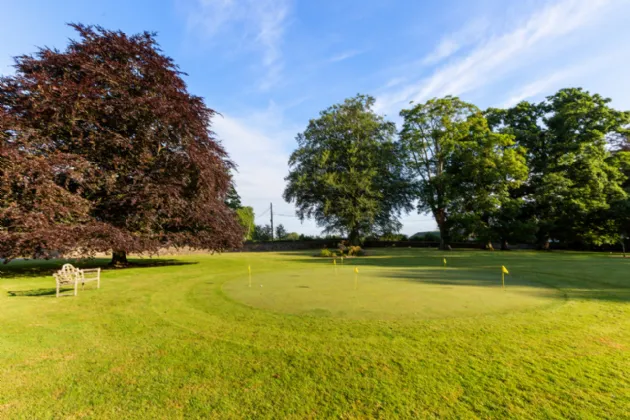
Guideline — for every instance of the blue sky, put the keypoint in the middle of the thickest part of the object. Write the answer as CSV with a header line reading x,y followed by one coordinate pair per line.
x,y
268,66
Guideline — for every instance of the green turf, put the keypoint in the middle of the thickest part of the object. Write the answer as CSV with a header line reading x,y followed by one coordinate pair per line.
x,y
189,338
389,293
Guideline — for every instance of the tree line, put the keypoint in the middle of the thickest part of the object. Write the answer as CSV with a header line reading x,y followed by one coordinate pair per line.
x,y
556,170
103,149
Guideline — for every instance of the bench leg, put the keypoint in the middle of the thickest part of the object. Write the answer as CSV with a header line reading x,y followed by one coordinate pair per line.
x,y
57,289
76,286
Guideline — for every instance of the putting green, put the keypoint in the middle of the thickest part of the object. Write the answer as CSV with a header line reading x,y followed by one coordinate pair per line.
x,y
385,293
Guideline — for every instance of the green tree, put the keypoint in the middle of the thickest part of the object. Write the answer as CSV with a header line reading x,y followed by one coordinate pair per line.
x,y
293,236
246,219
232,199
619,213
262,233
346,172
464,170
281,232
572,179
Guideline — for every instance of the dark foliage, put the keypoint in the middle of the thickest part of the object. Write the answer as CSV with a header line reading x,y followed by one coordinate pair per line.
x,y
262,233
103,148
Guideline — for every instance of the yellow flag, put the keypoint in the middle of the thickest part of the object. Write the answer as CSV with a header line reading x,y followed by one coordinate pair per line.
x,y
504,270
334,261
444,261
249,269
356,270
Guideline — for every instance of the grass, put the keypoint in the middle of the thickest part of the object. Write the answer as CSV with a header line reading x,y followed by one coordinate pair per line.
x,y
187,337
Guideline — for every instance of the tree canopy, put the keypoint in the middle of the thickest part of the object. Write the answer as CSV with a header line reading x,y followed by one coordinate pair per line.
x,y
464,170
572,179
347,171
103,148
246,219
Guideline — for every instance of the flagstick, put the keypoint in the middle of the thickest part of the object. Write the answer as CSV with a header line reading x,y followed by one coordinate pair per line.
x,y
503,279
249,270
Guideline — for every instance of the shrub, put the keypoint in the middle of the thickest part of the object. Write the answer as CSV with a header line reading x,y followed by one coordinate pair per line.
x,y
343,249
326,253
356,251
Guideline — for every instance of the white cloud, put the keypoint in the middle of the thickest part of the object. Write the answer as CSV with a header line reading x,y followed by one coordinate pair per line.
x,y
498,55
543,85
258,146
345,55
453,42
260,25
445,48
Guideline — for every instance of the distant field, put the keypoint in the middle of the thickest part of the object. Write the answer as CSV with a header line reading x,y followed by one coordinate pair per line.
x,y
191,336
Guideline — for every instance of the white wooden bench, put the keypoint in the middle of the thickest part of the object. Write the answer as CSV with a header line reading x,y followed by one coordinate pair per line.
x,y
90,274
70,275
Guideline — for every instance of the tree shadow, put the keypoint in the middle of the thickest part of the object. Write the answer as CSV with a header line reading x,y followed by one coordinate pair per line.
x,y
545,285
580,276
45,268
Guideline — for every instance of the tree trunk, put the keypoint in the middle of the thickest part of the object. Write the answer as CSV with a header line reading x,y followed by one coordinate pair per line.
x,y
354,237
444,240
119,259
504,245
440,219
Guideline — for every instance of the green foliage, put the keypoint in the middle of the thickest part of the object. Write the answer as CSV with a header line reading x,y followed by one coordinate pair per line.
x,y
281,232
262,233
232,199
427,237
246,219
346,172
355,251
394,237
464,170
572,180
326,253
292,236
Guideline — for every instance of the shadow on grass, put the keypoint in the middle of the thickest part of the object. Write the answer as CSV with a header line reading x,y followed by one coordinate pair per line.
x,y
579,289
36,292
584,276
45,268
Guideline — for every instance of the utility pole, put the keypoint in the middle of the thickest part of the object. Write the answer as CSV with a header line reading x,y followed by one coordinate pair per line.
x,y
271,209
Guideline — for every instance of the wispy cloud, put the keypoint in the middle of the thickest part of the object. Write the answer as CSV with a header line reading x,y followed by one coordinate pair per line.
x,y
492,58
345,55
260,25
258,143
453,42
537,87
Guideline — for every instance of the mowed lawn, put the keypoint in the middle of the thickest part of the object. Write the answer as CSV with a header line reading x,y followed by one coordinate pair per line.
x,y
190,337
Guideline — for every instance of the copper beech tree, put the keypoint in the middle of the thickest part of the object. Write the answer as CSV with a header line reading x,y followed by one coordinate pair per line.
x,y
103,149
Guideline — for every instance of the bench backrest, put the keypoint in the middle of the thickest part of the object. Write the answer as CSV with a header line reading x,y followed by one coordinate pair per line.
x,y
67,274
